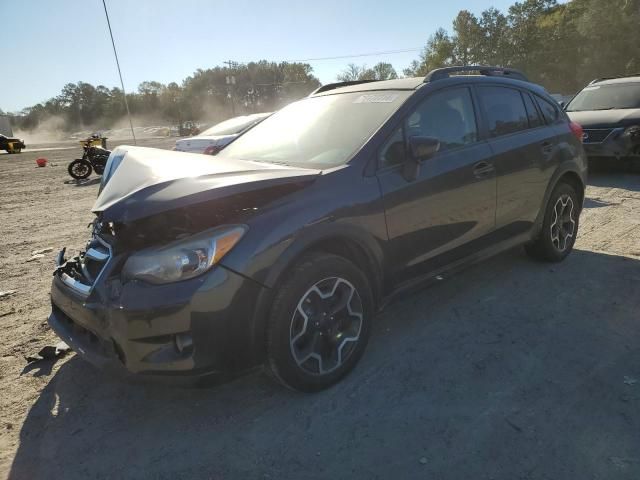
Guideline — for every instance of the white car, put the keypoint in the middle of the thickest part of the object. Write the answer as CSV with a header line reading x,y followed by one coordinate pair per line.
x,y
214,139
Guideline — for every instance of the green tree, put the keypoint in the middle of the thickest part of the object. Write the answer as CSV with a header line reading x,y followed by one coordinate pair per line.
x,y
380,71
562,46
439,52
205,95
611,34
352,73
493,42
527,36
467,35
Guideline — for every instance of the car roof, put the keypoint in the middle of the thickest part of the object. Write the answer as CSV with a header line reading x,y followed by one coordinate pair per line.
x,y
399,84
617,80
413,83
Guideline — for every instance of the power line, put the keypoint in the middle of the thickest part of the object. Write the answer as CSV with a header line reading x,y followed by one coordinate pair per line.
x,y
124,94
355,55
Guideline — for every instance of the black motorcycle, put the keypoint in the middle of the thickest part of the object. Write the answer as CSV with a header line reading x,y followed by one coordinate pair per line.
x,y
94,158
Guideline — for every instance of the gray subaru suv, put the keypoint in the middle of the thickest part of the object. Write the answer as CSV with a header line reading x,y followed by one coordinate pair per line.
x,y
280,250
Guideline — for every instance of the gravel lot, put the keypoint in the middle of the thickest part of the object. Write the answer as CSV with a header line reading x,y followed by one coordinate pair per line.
x,y
509,370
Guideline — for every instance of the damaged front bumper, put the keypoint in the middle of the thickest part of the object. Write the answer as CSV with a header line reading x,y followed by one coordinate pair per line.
x,y
181,332
618,143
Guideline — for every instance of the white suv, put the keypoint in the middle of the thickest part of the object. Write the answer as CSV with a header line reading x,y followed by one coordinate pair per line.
x,y
214,139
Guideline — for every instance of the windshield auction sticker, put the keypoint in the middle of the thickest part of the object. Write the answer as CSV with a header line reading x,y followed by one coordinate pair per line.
x,y
376,98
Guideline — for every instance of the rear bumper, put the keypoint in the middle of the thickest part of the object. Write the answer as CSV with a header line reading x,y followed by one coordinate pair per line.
x,y
178,333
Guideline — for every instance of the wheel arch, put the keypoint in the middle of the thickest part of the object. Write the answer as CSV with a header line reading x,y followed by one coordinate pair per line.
x,y
573,179
568,175
351,243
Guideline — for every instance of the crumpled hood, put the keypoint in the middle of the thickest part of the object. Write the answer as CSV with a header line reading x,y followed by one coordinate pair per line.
x,y
205,140
606,118
139,182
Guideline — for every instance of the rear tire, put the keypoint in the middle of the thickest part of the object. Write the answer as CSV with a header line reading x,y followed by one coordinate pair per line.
x,y
79,169
320,322
560,226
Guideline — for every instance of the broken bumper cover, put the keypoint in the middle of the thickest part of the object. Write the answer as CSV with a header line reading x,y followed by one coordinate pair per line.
x,y
178,332
619,143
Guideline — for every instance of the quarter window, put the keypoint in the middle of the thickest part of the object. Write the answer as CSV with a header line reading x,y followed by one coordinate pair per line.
x,y
393,151
448,116
504,110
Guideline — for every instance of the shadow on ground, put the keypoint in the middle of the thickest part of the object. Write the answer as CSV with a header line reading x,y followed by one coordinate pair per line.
x,y
83,183
511,369
611,177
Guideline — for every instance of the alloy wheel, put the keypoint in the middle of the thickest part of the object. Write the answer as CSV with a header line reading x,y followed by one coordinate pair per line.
x,y
563,225
326,325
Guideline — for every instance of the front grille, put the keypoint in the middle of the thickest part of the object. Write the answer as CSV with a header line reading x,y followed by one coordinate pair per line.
x,y
88,267
95,259
596,135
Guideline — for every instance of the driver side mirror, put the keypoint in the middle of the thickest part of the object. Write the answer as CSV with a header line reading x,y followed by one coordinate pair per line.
x,y
423,148
420,149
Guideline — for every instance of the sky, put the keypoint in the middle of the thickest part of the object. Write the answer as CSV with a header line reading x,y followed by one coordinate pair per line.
x,y
56,42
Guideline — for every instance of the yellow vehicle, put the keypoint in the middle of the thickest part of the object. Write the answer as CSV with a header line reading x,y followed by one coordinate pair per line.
x,y
94,140
11,145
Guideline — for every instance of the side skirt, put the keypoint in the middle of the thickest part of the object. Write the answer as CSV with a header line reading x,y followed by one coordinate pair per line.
x,y
427,279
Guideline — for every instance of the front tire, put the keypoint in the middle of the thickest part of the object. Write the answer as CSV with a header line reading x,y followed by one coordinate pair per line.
x,y
559,227
79,169
320,322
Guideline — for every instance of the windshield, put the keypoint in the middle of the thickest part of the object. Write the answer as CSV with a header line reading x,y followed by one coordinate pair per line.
x,y
233,125
317,132
606,97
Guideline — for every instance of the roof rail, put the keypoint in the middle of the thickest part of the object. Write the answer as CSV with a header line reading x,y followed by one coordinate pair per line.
x,y
333,86
489,71
596,80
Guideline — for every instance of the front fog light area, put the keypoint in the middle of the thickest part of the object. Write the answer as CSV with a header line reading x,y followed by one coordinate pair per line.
x,y
183,342
182,259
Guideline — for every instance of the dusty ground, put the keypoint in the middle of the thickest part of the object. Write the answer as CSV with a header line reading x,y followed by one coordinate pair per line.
x,y
510,370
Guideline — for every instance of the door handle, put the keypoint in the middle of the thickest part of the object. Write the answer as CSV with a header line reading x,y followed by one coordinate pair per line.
x,y
483,169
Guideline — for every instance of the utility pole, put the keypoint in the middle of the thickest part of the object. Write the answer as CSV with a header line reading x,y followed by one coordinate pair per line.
x,y
115,53
231,80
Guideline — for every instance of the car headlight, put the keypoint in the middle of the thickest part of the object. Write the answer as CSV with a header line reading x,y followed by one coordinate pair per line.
x,y
185,258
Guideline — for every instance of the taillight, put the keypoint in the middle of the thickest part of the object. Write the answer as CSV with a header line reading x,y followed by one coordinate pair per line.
x,y
576,129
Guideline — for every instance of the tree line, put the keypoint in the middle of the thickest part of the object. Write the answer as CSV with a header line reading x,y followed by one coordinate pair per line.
x,y
212,94
561,46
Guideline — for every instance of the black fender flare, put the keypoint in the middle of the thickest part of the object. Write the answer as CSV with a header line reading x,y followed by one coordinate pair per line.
x,y
562,170
315,238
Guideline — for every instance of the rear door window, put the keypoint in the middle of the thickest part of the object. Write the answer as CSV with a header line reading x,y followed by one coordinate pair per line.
x,y
550,111
532,111
504,110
